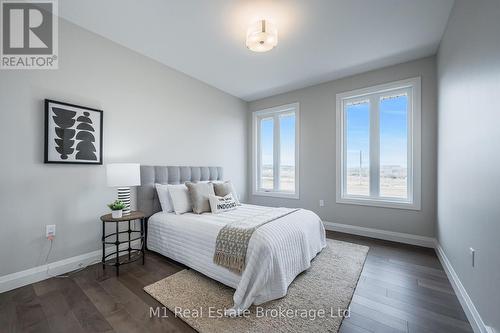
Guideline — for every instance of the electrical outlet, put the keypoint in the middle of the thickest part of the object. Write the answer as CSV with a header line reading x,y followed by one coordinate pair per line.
x,y
50,230
322,203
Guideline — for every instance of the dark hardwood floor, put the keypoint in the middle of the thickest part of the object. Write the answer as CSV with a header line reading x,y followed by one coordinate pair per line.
x,y
402,288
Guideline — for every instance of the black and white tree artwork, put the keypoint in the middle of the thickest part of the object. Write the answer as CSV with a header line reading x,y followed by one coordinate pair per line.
x,y
64,120
73,133
85,148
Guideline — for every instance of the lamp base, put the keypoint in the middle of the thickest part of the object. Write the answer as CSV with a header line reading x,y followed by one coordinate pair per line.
x,y
124,196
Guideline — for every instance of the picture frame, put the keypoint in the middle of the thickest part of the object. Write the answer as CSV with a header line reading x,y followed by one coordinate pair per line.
x,y
73,134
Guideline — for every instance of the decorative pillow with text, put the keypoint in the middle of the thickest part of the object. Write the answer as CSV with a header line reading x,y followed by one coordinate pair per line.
x,y
222,204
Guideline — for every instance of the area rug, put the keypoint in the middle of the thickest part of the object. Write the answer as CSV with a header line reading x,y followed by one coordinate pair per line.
x,y
317,300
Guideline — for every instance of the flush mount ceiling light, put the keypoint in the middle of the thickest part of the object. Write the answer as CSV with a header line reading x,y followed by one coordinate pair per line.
x,y
262,36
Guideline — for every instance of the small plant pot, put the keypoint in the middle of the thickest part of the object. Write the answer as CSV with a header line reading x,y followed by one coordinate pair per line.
x,y
116,214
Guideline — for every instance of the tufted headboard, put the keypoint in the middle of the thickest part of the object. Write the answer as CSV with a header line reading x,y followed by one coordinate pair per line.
x,y
147,199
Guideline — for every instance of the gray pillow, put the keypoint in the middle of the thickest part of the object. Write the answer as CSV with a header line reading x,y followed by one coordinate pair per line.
x,y
199,196
224,188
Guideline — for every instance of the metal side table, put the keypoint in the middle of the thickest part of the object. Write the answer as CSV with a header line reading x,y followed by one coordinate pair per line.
x,y
134,254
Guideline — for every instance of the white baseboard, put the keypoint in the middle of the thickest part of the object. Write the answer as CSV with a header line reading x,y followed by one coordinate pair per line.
x,y
39,273
382,234
470,310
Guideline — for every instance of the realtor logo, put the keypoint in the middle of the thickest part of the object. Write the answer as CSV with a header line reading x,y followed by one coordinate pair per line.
x,y
29,34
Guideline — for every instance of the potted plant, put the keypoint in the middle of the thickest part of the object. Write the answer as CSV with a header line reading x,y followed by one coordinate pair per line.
x,y
116,209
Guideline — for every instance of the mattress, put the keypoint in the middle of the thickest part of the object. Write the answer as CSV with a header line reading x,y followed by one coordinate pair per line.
x,y
277,252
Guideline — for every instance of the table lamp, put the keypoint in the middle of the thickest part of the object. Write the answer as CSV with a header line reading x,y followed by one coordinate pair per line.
x,y
123,176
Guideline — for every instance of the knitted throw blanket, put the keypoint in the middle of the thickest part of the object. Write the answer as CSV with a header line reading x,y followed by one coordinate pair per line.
x,y
232,240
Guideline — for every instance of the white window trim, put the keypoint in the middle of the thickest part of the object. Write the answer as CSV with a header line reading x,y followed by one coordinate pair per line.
x,y
414,147
256,115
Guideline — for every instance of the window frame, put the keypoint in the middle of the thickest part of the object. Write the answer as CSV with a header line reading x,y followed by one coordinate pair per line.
x,y
274,112
413,85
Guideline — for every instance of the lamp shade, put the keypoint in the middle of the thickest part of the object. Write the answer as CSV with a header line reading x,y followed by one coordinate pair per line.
x,y
123,174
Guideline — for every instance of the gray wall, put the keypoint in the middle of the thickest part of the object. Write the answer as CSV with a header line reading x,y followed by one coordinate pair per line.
x,y
317,151
152,115
468,150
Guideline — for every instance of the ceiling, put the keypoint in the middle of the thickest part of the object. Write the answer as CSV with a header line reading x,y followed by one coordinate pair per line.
x,y
319,40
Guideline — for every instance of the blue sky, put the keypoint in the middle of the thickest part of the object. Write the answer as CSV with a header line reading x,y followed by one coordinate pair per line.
x,y
393,133
266,132
287,140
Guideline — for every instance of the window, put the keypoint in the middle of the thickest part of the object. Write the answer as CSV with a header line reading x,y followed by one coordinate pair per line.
x,y
276,151
378,145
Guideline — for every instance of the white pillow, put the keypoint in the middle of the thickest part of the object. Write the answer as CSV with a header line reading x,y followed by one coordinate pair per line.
x,y
181,200
164,198
222,204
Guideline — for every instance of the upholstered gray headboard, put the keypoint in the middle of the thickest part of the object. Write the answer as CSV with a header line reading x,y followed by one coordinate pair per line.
x,y
147,199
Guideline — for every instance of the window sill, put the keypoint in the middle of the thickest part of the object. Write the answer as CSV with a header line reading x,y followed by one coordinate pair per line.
x,y
380,203
277,194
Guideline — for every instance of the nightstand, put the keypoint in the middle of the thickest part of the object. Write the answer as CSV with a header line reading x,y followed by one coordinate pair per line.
x,y
131,235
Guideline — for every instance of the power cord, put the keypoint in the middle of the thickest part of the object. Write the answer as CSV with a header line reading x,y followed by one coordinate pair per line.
x,y
51,238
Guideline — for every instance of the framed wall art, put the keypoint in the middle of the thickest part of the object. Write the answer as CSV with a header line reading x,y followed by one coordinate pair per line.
x,y
73,134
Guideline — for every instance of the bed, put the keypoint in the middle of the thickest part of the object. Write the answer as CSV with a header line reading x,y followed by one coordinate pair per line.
x,y
277,252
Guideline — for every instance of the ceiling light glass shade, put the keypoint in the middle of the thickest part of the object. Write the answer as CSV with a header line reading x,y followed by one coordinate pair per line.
x,y
262,36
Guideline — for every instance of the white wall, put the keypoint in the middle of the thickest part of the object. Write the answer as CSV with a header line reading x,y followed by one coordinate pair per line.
x,y
152,115
468,150
317,151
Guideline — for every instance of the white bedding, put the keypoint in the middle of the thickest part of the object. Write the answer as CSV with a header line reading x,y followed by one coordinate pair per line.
x,y
277,252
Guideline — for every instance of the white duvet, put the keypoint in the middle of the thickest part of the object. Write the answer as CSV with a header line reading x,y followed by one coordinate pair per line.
x,y
277,252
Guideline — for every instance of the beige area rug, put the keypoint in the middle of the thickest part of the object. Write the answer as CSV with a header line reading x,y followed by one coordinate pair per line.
x,y
312,304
